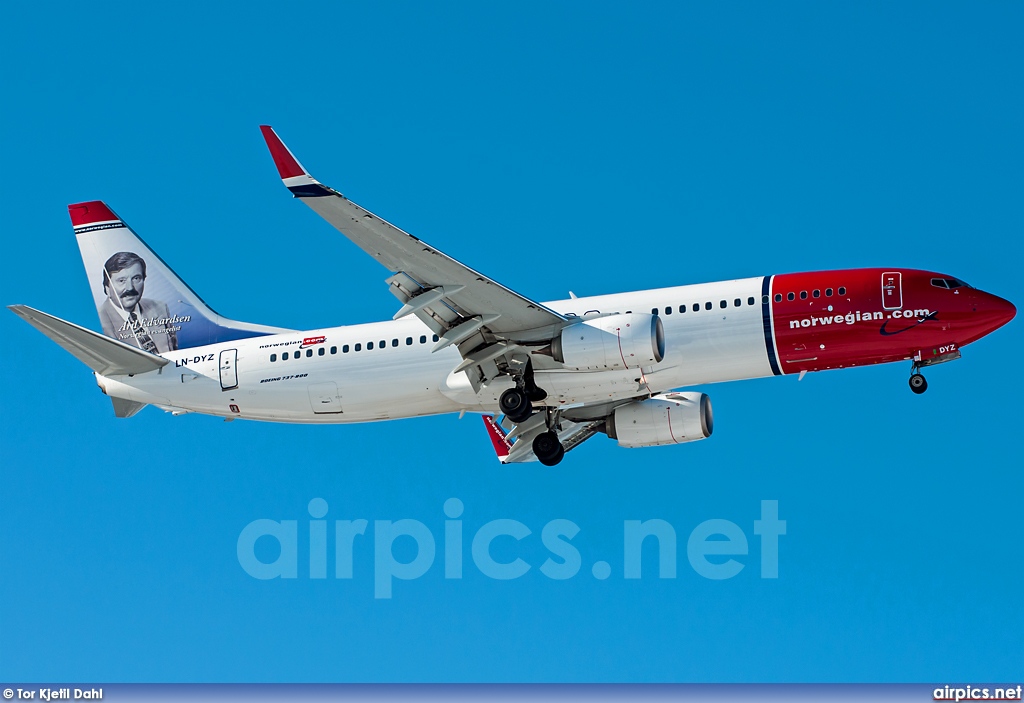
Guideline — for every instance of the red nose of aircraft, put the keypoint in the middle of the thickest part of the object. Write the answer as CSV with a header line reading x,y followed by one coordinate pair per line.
x,y
996,311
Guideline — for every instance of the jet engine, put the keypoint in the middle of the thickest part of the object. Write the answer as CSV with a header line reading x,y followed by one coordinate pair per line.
x,y
610,343
672,418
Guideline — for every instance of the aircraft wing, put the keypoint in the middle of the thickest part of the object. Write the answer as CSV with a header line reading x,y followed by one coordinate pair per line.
x,y
483,318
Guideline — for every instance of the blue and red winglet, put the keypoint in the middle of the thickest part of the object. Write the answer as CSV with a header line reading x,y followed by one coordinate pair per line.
x,y
295,177
498,438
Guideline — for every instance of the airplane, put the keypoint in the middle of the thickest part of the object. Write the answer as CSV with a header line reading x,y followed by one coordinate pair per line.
x,y
556,373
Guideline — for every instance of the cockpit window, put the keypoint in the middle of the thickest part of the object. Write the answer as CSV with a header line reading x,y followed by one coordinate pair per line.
x,y
949,283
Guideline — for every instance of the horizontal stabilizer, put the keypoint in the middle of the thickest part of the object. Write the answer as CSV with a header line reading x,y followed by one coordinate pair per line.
x,y
102,354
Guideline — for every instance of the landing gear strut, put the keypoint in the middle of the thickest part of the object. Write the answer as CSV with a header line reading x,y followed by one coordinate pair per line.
x,y
548,449
516,402
917,382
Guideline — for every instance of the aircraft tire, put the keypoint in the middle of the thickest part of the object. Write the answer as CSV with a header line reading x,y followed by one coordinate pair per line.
x,y
515,404
548,449
918,384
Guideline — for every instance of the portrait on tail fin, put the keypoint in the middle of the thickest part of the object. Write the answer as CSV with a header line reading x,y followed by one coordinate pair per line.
x,y
129,317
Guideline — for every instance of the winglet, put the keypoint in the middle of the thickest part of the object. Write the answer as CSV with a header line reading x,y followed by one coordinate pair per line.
x,y
501,445
295,177
287,165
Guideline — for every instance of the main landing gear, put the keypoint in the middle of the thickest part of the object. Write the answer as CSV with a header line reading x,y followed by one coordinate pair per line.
x,y
548,449
515,404
918,384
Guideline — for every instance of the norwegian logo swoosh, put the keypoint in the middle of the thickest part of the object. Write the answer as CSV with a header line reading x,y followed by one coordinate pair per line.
x,y
311,341
929,316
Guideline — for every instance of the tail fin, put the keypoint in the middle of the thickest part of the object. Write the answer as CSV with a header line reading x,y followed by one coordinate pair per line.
x,y
140,300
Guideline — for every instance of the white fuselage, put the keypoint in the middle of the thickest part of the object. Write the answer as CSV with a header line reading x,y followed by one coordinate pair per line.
x,y
320,382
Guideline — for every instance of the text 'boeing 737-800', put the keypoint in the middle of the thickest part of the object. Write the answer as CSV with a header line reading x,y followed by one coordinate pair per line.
x,y
555,373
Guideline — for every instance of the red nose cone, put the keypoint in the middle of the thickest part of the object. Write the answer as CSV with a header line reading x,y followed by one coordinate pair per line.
x,y
998,311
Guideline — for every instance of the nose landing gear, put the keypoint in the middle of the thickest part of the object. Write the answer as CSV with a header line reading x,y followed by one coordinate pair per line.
x,y
918,384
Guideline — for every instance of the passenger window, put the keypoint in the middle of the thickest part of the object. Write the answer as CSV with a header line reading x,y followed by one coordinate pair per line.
x,y
750,300
668,310
842,290
344,349
321,351
359,347
737,302
309,352
654,311
408,341
707,305
334,350
723,304
803,295
273,357
790,296
696,307
394,342
298,354
682,308
816,293
369,345
764,300
828,292
436,338
284,356
778,297
423,339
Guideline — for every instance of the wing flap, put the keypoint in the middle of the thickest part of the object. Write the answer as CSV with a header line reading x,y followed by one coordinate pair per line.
x,y
571,435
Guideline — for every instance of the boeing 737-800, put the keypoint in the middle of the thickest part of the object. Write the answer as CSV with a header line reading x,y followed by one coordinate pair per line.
x,y
558,372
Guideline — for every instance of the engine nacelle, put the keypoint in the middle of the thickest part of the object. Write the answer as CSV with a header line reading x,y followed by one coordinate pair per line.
x,y
672,418
610,343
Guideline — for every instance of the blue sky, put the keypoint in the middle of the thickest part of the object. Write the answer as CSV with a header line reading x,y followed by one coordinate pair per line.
x,y
586,146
